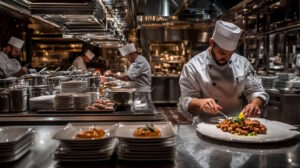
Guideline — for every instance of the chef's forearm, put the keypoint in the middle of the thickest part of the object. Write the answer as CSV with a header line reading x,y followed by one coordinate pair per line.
x,y
194,106
258,101
121,77
19,73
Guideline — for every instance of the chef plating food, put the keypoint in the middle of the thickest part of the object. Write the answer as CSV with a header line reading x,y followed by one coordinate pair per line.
x,y
217,79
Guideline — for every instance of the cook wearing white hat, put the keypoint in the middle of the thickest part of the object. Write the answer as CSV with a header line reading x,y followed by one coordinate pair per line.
x,y
81,61
139,71
218,79
9,65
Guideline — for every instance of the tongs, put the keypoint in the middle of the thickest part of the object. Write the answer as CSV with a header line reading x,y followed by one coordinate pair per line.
x,y
224,115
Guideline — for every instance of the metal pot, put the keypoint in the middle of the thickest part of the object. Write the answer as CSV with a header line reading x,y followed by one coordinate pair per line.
x,y
8,82
55,82
39,90
123,98
18,100
36,79
4,100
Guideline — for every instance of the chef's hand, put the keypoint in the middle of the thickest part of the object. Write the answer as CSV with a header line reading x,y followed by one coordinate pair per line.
x,y
24,70
209,105
253,109
107,73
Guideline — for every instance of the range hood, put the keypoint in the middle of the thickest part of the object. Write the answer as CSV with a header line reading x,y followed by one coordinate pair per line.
x,y
108,19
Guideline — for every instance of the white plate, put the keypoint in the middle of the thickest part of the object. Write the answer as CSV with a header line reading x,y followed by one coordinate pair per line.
x,y
68,133
126,130
11,135
276,132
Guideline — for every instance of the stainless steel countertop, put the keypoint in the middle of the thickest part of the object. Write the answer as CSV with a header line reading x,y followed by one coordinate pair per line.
x,y
193,151
29,118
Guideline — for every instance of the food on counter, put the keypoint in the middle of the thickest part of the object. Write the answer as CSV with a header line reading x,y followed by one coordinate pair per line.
x,y
91,134
242,126
146,132
101,104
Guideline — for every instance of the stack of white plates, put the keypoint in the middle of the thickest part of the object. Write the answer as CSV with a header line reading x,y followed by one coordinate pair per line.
x,y
74,86
63,101
72,149
283,76
267,81
146,149
81,101
41,102
14,143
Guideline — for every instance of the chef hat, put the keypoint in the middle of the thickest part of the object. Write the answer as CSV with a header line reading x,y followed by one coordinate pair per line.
x,y
127,49
89,54
16,42
226,35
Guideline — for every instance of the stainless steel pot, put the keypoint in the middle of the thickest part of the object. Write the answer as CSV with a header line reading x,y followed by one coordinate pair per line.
x,y
39,90
8,82
4,100
18,100
55,81
123,98
36,79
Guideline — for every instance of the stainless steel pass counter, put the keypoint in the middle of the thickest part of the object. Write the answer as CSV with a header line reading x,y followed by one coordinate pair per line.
x,y
193,151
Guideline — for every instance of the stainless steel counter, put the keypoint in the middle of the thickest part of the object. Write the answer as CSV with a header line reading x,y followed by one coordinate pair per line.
x,y
193,151
29,118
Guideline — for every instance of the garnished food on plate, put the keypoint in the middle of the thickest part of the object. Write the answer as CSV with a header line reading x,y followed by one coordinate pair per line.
x,y
242,126
94,133
147,131
101,104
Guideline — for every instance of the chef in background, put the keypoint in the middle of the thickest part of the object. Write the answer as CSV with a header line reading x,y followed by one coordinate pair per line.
x,y
139,71
9,65
80,62
217,79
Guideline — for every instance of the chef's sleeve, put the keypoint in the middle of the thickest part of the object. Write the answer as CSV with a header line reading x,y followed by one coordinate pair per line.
x,y
189,87
135,70
2,70
253,86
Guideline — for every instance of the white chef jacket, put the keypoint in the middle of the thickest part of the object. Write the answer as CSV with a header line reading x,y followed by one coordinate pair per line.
x,y
140,73
8,66
79,64
201,77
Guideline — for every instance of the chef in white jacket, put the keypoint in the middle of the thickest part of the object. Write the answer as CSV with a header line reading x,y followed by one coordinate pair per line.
x,y
139,71
9,65
80,62
217,79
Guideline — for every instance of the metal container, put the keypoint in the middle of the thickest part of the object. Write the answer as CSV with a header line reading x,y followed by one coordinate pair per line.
x,y
8,82
39,90
36,79
4,100
55,81
123,98
18,100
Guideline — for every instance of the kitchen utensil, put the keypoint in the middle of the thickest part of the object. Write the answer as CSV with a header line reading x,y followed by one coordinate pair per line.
x,y
224,115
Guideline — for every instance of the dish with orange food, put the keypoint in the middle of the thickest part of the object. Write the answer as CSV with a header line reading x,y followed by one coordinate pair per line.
x,y
94,133
148,131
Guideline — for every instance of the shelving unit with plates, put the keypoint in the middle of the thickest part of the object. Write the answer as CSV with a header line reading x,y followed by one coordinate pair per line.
x,y
168,58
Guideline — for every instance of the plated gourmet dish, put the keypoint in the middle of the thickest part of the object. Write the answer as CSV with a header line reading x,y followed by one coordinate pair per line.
x,y
94,133
242,126
148,131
